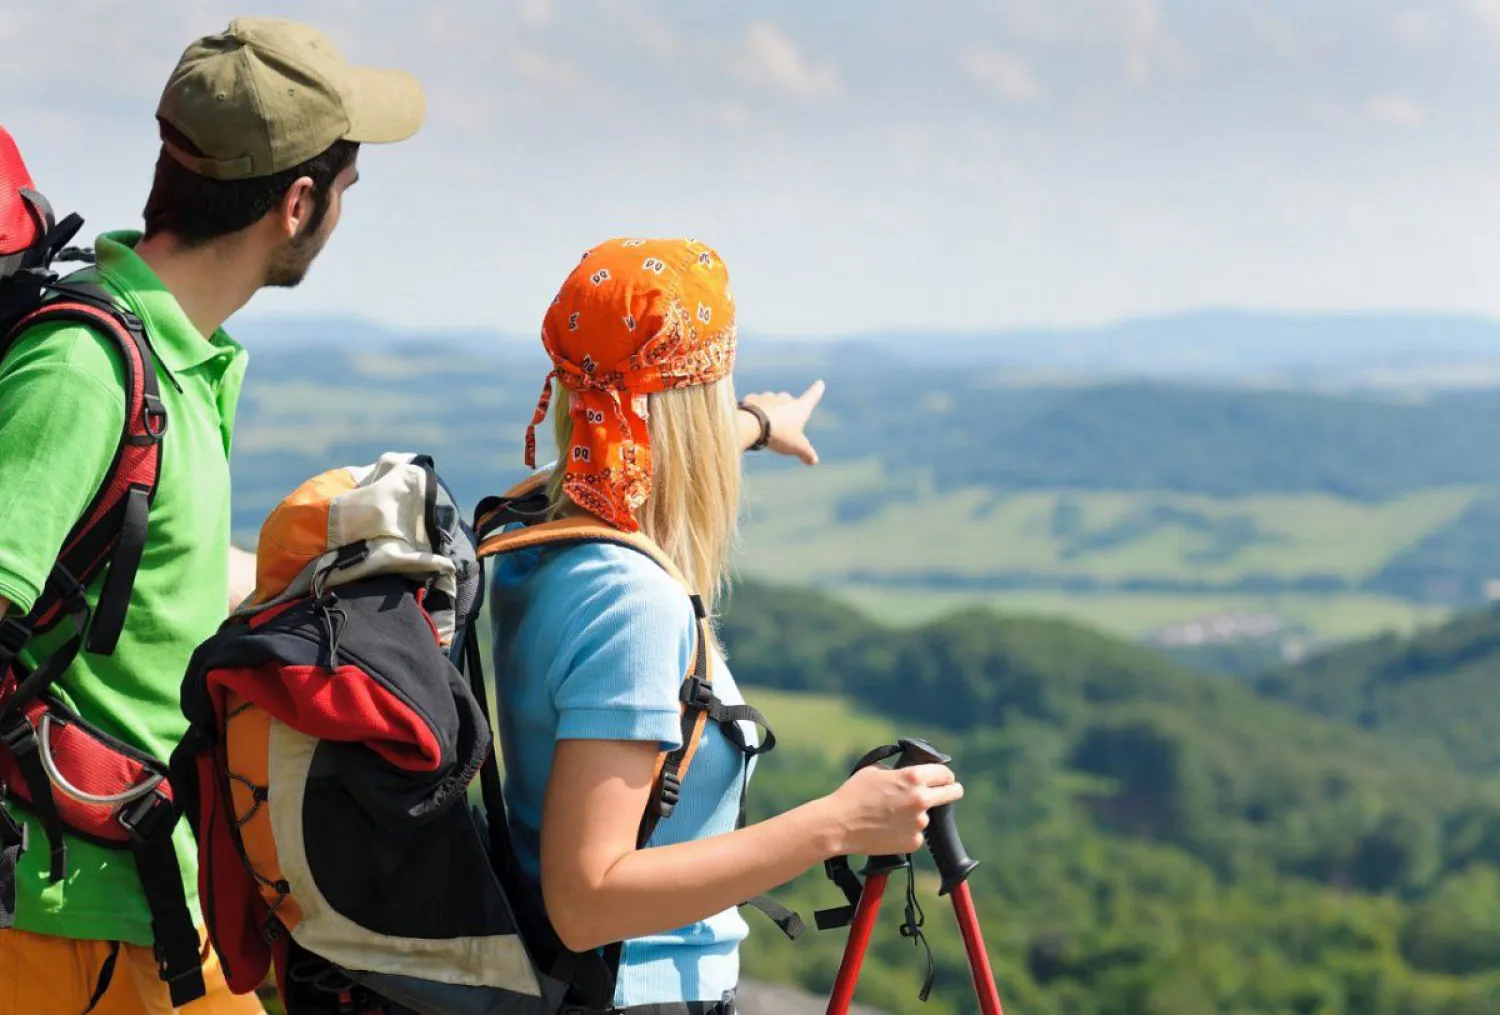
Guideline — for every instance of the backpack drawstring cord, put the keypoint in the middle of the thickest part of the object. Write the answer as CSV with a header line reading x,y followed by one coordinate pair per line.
x,y
334,618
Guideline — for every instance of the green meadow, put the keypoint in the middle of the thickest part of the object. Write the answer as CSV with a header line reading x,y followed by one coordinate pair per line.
x,y
915,553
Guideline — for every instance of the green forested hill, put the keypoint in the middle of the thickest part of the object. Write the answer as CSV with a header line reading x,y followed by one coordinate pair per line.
x,y
1153,841
964,427
1152,437
1437,692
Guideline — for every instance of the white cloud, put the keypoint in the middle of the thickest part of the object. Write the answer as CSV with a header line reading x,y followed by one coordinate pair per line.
x,y
1396,111
1277,32
656,36
1005,73
1038,22
548,70
535,12
730,113
771,60
1149,43
1487,14
1416,27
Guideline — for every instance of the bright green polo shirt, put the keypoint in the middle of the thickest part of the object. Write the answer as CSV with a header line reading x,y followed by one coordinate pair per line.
x,y
62,408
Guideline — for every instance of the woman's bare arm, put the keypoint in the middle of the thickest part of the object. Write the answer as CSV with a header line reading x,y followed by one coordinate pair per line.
x,y
599,888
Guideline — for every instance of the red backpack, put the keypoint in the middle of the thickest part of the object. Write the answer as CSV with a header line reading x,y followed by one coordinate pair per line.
x,y
70,775
339,721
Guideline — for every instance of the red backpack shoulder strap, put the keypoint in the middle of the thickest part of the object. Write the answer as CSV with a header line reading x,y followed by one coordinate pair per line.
x,y
111,532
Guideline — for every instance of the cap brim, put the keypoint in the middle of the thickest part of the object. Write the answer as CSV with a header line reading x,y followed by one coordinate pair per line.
x,y
388,106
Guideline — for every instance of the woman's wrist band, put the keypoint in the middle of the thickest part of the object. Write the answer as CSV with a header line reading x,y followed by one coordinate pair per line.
x,y
763,420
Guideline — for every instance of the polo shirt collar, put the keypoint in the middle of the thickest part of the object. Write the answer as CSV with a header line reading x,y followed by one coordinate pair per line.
x,y
174,339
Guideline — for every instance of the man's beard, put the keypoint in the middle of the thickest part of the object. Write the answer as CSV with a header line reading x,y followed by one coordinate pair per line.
x,y
289,264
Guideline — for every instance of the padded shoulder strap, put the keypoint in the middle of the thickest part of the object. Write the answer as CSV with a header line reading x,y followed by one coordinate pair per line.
x,y
525,502
111,532
531,484
577,530
671,766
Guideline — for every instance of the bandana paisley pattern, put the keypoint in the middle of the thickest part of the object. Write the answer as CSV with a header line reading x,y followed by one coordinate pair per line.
x,y
635,316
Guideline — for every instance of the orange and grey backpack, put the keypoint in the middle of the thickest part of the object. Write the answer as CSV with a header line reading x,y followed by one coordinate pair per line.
x,y
340,745
74,777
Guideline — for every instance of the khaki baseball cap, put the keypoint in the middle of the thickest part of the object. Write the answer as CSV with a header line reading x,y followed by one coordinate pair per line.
x,y
267,95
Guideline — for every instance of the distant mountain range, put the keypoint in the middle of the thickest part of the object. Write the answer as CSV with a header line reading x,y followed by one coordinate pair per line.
x,y
1343,350
1217,343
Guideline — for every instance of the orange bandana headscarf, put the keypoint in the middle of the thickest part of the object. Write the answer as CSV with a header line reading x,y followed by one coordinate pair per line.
x,y
634,317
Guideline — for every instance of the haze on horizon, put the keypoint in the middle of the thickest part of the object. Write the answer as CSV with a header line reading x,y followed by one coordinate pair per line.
x,y
870,166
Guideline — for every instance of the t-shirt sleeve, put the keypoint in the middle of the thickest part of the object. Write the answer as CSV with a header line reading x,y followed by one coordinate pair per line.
x,y
60,425
629,642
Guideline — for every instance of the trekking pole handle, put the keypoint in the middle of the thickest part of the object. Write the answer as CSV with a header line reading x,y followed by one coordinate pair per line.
x,y
953,861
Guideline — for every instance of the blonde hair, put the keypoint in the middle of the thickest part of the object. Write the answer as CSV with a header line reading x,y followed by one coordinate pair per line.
x,y
692,512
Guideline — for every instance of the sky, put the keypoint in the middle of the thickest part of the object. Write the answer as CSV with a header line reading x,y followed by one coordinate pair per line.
x,y
861,165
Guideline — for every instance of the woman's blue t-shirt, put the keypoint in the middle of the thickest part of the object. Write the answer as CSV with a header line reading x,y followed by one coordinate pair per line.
x,y
592,642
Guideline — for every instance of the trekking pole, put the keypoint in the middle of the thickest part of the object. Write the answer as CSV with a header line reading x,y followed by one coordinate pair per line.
x,y
866,900
859,942
954,867
979,959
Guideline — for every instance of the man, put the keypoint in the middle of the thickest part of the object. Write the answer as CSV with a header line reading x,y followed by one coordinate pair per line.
x,y
260,127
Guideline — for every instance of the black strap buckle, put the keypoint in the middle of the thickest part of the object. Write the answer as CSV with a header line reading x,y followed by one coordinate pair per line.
x,y
164,966
148,819
697,694
19,737
842,875
71,593
14,634
671,792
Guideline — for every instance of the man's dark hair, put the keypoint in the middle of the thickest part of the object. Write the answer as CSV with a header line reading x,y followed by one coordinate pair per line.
x,y
197,209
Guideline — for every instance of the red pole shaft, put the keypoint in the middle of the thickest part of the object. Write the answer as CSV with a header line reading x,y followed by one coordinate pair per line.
x,y
979,959
859,941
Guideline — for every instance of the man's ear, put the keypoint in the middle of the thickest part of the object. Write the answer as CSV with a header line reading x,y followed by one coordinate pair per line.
x,y
296,208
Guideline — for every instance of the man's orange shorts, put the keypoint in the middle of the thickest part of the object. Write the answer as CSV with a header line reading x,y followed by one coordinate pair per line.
x,y
59,976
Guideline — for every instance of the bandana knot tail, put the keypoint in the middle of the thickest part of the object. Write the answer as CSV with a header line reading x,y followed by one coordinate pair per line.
x,y
542,404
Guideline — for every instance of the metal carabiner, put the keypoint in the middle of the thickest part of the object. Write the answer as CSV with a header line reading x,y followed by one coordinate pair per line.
x,y
44,748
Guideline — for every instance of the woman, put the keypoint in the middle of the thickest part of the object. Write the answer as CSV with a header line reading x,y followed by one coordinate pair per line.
x,y
592,641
